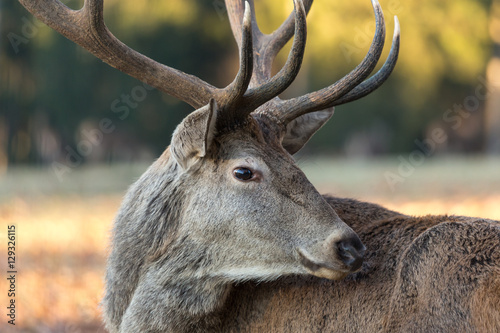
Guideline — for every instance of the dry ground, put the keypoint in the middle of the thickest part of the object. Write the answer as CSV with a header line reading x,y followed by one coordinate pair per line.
x,y
63,226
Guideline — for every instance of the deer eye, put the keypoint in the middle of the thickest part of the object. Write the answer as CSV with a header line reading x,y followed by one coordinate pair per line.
x,y
243,174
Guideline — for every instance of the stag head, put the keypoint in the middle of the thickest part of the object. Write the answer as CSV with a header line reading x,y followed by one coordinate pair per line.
x,y
226,201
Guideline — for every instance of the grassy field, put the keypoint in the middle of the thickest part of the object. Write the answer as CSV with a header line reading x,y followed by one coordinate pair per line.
x,y
63,226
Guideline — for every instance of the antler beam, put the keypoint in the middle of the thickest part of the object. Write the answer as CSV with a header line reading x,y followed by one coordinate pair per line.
x,y
86,28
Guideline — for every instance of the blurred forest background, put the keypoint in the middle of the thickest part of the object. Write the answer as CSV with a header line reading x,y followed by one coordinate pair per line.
x,y
427,141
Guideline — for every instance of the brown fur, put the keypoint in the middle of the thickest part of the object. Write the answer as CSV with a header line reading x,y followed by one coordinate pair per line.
x,y
421,274
485,303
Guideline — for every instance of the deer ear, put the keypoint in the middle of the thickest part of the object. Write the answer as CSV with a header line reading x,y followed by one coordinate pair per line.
x,y
194,136
302,128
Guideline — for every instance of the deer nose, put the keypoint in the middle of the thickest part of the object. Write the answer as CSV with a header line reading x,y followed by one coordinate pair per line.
x,y
351,251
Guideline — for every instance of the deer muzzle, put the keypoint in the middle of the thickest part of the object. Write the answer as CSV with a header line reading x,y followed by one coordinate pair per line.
x,y
334,258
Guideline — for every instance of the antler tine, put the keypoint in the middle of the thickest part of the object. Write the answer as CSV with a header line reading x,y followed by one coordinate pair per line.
x,y
326,97
235,11
282,35
266,88
278,83
266,46
232,95
366,87
86,28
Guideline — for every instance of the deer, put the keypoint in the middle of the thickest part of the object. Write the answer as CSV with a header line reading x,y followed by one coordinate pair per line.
x,y
224,233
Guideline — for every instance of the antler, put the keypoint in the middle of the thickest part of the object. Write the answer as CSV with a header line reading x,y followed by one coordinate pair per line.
x,y
86,28
267,46
253,85
383,73
351,86
262,87
347,89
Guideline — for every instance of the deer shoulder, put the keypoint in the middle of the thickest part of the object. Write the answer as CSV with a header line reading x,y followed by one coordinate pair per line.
x,y
420,274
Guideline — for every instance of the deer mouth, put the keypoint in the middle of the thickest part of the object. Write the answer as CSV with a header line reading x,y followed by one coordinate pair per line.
x,y
322,269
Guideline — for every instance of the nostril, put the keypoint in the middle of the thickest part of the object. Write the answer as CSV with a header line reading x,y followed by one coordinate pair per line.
x,y
351,252
346,252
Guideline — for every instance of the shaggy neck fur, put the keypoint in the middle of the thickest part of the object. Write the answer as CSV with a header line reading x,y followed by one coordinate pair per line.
x,y
168,282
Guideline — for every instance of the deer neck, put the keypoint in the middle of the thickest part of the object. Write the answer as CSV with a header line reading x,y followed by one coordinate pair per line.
x,y
191,297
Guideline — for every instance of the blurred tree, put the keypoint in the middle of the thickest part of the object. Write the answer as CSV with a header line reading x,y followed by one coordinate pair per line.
x,y
492,118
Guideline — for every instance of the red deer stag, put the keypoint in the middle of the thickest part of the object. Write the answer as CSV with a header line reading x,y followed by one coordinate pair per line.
x,y
224,233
